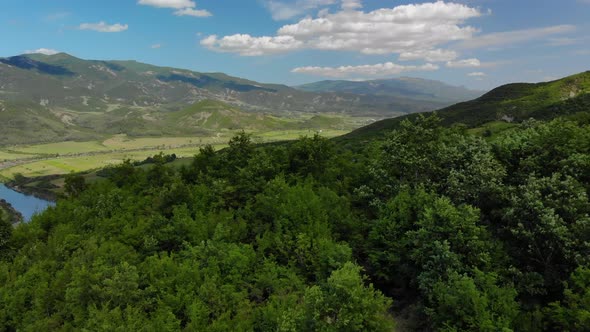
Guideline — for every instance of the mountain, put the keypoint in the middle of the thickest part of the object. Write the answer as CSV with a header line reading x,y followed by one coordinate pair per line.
x,y
508,103
61,97
64,81
405,87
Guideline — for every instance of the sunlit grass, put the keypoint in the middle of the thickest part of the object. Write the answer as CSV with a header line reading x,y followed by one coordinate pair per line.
x,y
67,157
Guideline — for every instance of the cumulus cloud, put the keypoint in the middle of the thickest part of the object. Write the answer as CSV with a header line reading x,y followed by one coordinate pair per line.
x,y
283,10
466,63
515,37
477,74
156,46
193,12
176,4
381,69
438,55
251,46
103,27
183,7
414,31
46,51
351,4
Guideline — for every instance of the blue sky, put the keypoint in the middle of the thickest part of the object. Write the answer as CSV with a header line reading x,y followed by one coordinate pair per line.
x,y
476,43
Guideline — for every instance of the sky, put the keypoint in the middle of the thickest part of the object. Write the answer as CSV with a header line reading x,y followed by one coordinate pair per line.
x,y
479,44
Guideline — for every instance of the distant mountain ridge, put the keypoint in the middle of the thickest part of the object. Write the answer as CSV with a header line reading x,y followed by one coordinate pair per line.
x,y
61,97
406,87
510,103
62,80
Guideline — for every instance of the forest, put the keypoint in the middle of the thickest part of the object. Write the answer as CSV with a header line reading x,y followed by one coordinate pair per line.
x,y
431,228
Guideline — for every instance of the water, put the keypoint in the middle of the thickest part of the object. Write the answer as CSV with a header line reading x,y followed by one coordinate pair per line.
x,y
27,205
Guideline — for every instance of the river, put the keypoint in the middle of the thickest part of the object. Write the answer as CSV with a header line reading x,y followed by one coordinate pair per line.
x,y
27,205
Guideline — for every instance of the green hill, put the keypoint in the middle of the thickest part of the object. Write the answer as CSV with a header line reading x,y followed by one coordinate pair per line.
x,y
215,115
508,103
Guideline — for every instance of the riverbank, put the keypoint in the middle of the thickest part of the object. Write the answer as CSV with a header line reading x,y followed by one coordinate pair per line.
x,y
14,216
39,187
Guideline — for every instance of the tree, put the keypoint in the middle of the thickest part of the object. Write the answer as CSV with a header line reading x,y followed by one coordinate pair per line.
x,y
310,156
346,304
573,312
478,303
547,227
5,233
409,155
75,184
420,237
239,151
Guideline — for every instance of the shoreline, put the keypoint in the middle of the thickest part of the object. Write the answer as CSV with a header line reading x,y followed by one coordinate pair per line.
x,y
15,216
43,194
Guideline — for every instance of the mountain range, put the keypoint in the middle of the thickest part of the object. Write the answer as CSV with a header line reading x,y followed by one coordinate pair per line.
x,y
404,87
61,97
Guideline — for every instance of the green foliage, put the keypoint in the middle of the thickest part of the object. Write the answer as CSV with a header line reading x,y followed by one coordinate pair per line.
x,y
573,312
5,232
233,247
462,233
569,96
75,184
310,156
345,304
464,303
548,225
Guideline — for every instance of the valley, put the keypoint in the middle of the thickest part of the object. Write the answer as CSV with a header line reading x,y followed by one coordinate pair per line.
x,y
61,114
65,157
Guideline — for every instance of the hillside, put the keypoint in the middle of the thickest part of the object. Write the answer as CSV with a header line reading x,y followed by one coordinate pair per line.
x,y
508,103
60,97
404,87
64,81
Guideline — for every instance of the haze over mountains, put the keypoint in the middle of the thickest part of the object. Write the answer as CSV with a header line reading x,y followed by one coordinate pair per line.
x,y
404,87
63,97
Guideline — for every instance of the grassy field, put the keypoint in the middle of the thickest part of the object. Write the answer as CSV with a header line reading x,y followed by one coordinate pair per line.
x,y
64,165
8,155
67,157
61,148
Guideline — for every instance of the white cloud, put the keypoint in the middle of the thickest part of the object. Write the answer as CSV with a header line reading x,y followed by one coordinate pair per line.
x,y
437,55
378,70
193,12
414,31
351,4
282,10
176,4
46,51
251,46
477,74
515,37
156,46
467,63
183,7
103,27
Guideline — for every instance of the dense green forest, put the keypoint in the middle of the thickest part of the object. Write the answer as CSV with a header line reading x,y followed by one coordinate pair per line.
x,y
432,228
